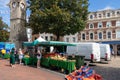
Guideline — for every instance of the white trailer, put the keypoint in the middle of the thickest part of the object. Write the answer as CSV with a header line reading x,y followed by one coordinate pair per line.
x,y
90,50
105,51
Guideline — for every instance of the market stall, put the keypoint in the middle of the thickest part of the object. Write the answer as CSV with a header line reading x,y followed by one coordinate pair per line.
x,y
52,59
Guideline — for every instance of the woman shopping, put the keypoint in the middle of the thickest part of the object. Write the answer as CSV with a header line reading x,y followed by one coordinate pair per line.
x,y
20,56
39,55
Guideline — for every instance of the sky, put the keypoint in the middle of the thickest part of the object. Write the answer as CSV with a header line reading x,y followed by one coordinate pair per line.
x,y
94,5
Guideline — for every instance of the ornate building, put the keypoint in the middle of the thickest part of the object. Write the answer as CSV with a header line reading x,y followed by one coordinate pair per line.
x,y
104,27
17,22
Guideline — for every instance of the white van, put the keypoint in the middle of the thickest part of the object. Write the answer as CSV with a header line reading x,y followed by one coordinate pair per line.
x,y
105,51
90,50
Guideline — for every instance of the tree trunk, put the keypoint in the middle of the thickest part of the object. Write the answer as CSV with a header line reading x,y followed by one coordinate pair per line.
x,y
58,37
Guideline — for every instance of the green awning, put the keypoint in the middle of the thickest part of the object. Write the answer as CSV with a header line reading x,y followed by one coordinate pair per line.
x,y
28,44
48,43
55,43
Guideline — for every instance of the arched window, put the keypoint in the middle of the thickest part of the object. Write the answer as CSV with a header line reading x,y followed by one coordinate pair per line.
x,y
83,36
91,36
100,35
100,25
109,35
91,16
91,26
108,24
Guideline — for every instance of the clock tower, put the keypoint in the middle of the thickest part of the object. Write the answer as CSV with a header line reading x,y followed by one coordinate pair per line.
x,y
18,22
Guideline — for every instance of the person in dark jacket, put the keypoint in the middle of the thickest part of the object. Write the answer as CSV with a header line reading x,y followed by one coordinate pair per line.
x,y
12,57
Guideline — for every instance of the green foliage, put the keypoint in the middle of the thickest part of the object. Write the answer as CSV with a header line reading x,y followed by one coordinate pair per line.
x,y
59,17
4,34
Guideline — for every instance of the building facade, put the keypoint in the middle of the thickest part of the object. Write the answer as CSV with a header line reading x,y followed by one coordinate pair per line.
x,y
103,27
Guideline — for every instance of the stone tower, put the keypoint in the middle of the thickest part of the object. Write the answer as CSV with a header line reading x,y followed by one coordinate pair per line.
x,y
18,22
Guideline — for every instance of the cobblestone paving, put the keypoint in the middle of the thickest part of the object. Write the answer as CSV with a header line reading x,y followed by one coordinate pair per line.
x,y
20,72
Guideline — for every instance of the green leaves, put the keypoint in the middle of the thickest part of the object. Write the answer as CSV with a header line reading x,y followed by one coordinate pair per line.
x,y
59,17
4,34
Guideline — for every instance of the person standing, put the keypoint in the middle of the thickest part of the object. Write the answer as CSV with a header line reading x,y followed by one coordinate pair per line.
x,y
20,56
39,55
12,57
3,51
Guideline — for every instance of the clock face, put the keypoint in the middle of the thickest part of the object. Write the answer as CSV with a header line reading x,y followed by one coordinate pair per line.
x,y
22,5
14,4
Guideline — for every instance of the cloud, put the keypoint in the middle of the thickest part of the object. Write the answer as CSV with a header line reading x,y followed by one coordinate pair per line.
x,y
3,3
5,11
106,8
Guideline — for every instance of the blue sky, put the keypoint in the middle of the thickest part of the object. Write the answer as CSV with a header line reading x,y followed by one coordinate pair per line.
x,y
95,5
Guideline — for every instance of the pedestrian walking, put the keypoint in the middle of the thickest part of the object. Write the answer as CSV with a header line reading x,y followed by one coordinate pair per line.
x,y
12,57
39,55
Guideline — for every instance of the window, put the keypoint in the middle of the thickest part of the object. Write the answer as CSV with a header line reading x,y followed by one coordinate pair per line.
x,y
91,16
91,26
83,36
74,39
100,35
109,35
51,38
91,36
41,36
99,16
99,24
108,24
118,12
108,14
67,39
46,37
118,34
118,23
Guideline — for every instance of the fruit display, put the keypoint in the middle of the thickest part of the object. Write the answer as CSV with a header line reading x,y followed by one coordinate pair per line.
x,y
59,57
55,56
26,56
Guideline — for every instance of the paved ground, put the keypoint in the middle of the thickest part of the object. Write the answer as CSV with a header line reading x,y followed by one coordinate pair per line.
x,y
21,72
110,71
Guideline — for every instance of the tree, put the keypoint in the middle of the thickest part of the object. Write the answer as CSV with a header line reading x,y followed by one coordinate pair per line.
x,y
4,34
60,17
